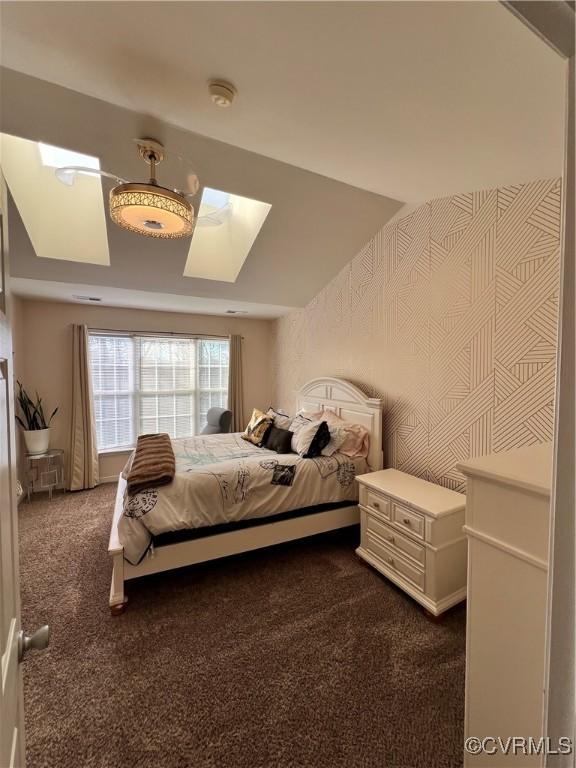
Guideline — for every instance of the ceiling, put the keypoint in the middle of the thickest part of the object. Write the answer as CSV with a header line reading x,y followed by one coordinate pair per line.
x,y
412,100
110,296
313,229
345,110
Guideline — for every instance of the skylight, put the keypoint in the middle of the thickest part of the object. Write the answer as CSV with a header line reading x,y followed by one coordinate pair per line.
x,y
218,252
62,222
56,157
213,200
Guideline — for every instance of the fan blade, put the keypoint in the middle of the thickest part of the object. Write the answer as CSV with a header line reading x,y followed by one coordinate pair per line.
x,y
67,174
192,186
213,219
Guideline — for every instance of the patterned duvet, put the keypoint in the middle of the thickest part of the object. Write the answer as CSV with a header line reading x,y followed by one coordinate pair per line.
x,y
224,479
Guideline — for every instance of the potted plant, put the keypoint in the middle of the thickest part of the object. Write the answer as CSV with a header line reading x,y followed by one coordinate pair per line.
x,y
33,422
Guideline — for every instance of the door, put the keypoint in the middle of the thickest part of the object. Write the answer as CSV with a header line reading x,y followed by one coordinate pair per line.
x,y
11,703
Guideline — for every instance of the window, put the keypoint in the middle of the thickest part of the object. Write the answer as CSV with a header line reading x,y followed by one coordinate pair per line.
x,y
145,384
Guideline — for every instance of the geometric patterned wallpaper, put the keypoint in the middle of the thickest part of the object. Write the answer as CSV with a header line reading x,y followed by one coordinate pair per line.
x,y
450,315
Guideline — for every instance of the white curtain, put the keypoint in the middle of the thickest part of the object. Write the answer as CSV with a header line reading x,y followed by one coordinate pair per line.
x,y
235,385
84,471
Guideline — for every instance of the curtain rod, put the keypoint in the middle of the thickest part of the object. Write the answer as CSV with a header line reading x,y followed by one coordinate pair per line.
x,y
120,332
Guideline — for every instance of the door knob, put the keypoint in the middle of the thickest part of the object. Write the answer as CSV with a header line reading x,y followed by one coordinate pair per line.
x,y
36,642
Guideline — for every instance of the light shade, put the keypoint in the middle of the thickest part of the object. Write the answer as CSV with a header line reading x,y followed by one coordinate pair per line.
x,y
151,210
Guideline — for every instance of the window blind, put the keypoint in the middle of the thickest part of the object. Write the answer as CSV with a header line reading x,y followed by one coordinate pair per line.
x,y
145,383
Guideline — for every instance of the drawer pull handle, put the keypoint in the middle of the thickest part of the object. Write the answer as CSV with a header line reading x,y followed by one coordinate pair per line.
x,y
391,539
376,505
406,521
391,560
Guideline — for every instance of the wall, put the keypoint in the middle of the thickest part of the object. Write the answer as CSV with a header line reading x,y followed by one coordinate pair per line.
x,y
47,362
449,314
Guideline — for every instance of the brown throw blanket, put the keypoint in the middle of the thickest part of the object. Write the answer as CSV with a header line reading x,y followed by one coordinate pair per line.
x,y
153,463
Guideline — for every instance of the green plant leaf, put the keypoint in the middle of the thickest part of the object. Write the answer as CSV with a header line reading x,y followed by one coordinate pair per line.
x,y
32,412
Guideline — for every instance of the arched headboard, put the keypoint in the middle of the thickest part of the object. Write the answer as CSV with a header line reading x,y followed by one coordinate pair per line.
x,y
351,404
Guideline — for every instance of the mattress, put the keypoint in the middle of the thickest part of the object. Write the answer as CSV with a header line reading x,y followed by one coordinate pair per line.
x,y
223,479
189,534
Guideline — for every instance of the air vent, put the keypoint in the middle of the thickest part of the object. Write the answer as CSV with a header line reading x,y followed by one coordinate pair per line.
x,y
86,298
236,312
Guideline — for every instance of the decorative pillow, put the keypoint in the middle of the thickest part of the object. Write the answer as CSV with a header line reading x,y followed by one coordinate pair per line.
x,y
298,423
357,442
278,440
280,419
257,427
338,436
310,415
309,437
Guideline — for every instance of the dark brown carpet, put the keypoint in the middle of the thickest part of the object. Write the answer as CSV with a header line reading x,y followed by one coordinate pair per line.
x,y
299,655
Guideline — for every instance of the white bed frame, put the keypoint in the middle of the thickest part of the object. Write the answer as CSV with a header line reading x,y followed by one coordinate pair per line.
x,y
337,395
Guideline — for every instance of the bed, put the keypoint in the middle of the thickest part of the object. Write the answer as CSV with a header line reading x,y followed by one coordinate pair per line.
x,y
323,499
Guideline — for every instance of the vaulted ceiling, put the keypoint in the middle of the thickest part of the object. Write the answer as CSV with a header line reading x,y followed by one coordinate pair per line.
x,y
344,110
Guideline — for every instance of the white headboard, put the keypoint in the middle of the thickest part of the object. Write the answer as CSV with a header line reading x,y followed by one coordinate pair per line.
x,y
351,404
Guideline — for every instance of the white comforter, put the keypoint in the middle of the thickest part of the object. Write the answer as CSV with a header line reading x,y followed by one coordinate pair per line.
x,y
224,479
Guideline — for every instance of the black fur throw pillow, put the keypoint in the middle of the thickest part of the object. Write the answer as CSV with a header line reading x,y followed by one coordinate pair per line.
x,y
320,441
278,440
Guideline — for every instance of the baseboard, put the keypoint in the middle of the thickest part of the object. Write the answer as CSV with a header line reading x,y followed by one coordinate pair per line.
x,y
111,479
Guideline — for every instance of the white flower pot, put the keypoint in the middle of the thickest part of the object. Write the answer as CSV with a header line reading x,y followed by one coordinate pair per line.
x,y
37,440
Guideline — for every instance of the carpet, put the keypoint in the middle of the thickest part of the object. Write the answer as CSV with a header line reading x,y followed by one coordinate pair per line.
x,y
298,655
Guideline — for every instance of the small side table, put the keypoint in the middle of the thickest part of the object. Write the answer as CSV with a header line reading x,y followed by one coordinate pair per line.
x,y
44,472
411,531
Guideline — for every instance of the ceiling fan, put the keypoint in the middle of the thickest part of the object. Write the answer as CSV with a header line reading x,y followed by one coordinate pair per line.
x,y
147,207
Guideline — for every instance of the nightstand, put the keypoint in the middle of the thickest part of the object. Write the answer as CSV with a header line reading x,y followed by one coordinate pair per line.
x,y
411,531
44,471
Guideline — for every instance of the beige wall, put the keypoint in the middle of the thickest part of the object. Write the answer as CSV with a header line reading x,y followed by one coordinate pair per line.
x,y
43,345
449,314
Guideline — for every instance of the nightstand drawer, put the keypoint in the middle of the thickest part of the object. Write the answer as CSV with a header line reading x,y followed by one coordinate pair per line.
x,y
395,562
373,500
408,519
396,541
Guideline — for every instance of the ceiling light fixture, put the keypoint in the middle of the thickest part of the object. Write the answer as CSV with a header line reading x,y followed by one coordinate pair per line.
x,y
222,93
148,208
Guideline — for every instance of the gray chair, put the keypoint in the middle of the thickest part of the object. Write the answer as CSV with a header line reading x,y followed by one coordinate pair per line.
x,y
218,420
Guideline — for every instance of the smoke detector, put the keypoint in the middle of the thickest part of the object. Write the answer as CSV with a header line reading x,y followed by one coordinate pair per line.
x,y
221,92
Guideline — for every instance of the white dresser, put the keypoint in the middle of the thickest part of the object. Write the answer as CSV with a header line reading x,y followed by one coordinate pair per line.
x,y
507,523
411,531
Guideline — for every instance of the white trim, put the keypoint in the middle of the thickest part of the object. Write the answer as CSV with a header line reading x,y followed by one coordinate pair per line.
x,y
514,551
116,451
334,394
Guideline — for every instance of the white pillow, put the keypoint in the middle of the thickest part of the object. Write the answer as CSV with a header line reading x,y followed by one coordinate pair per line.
x,y
337,437
308,435
281,420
